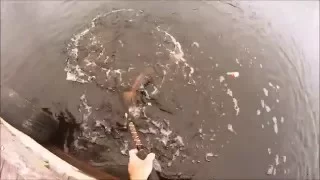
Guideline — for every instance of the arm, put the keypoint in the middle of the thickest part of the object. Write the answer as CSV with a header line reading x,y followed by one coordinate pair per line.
x,y
140,169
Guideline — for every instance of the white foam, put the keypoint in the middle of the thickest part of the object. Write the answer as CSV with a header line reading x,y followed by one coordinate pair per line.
x,y
229,92
276,159
196,44
179,140
269,151
121,43
282,119
284,159
267,108
275,125
258,112
209,155
235,106
237,60
262,103
270,170
84,104
178,55
221,79
230,128
265,91
124,149
135,111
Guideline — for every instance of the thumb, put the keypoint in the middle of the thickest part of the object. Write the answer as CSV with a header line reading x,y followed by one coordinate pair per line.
x,y
150,158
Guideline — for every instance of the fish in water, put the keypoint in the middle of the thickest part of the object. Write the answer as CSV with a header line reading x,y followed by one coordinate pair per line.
x,y
132,98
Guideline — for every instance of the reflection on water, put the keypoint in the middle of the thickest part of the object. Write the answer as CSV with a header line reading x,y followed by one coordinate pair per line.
x,y
241,79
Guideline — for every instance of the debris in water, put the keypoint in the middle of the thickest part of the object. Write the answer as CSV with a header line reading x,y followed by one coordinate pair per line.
x,y
210,58
210,155
217,65
258,112
196,44
265,91
278,87
197,112
275,125
277,100
262,126
233,74
269,150
230,128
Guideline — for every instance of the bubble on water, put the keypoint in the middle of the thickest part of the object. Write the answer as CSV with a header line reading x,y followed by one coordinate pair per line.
x,y
210,58
262,126
275,125
265,91
278,87
217,65
261,66
277,100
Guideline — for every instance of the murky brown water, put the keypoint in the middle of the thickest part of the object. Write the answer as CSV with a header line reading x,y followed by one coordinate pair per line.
x,y
81,55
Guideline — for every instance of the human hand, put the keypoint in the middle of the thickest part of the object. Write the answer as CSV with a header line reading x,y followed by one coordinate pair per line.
x,y
140,169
